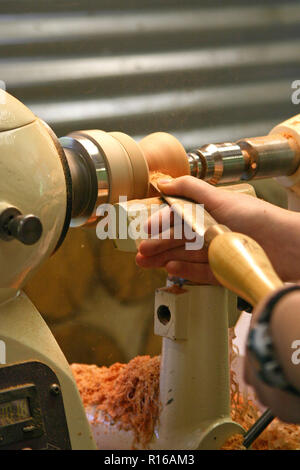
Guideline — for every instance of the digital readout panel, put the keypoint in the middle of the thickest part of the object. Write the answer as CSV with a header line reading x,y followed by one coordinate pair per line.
x,y
15,411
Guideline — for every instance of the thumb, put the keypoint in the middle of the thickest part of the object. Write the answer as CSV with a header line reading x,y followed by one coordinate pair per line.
x,y
195,189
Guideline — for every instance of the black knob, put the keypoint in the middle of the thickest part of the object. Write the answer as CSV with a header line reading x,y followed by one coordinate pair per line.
x,y
25,228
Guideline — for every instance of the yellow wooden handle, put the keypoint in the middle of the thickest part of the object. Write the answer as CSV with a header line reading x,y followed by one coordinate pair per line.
x,y
241,265
237,261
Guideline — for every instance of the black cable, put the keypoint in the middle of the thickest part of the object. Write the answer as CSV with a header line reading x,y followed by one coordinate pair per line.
x,y
258,427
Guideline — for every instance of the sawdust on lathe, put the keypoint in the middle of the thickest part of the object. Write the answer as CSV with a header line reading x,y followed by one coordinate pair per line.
x,y
127,393
277,436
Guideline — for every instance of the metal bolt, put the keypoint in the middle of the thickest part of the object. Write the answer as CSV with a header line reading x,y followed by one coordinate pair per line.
x,y
29,428
55,389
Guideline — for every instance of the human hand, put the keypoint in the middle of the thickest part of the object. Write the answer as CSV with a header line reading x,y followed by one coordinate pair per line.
x,y
272,227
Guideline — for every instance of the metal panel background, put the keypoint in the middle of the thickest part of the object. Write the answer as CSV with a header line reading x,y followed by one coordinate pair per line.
x,y
205,70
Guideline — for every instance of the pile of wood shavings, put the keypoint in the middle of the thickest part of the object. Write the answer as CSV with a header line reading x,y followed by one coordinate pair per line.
x,y
127,393
234,442
277,436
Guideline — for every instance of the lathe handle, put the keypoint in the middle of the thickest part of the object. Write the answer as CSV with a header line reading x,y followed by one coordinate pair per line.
x,y
241,265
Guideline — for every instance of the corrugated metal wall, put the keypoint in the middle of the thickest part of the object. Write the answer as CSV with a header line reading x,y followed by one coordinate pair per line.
x,y
205,70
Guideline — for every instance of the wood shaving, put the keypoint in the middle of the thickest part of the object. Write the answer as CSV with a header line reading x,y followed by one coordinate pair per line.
x,y
129,395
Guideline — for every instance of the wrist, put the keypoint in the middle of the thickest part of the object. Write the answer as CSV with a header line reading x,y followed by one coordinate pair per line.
x,y
271,362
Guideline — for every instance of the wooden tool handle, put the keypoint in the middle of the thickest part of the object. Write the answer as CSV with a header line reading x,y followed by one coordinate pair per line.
x,y
241,265
237,261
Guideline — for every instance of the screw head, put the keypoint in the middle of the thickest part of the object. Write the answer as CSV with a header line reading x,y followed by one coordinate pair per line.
x,y
55,389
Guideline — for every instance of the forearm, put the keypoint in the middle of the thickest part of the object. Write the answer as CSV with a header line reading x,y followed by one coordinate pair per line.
x,y
285,331
277,230
284,244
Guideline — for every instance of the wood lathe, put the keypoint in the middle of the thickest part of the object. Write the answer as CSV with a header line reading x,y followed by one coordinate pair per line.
x,y
49,184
